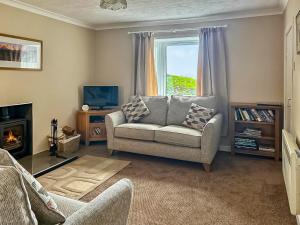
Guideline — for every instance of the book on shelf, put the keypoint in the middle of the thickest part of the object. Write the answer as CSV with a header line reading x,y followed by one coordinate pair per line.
x,y
245,143
266,148
256,115
247,114
250,132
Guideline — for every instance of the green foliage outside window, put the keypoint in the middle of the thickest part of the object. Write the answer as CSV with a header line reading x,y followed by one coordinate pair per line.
x,y
180,85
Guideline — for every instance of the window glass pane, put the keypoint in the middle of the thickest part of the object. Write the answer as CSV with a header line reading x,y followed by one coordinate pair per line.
x,y
182,63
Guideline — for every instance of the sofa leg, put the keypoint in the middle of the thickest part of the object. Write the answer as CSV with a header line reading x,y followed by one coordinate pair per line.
x,y
207,167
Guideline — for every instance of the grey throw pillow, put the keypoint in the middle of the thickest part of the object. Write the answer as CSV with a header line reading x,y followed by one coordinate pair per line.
x,y
180,106
198,117
135,110
42,203
158,106
15,207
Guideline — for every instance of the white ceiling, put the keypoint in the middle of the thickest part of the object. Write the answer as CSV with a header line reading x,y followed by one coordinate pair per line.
x,y
89,13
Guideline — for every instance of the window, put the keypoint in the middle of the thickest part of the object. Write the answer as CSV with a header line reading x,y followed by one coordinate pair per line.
x,y
176,63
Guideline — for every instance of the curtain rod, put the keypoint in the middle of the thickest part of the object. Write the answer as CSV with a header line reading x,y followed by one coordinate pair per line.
x,y
176,30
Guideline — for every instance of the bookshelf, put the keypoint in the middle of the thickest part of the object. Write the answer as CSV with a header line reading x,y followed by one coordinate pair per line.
x,y
259,133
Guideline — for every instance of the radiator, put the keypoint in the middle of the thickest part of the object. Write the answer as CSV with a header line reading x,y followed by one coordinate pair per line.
x,y
291,171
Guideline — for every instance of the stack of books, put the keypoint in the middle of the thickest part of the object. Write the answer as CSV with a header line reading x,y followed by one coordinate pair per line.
x,y
258,115
266,148
245,143
250,132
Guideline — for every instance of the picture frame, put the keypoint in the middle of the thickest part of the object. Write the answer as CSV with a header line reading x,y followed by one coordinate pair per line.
x,y
20,53
298,33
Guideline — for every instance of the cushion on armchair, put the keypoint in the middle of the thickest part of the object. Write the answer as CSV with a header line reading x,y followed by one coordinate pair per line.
x,y
15,208
180,106
42,203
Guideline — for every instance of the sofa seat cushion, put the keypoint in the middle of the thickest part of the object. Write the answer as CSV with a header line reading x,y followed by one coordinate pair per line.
x,y
138,131
178,135
67,206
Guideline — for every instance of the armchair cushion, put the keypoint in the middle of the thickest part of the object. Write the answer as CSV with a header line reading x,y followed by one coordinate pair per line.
x,y
138,131
15,207
42,204
67,206
179,135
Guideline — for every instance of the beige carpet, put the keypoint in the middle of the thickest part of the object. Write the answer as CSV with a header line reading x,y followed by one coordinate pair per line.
x,y
240,190
78,178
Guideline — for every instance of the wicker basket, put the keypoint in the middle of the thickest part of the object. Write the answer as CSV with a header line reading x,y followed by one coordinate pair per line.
x,y
69,145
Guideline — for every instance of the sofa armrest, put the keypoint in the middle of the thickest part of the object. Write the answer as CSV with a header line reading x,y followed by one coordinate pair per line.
x,y
109,208
111,121
211,138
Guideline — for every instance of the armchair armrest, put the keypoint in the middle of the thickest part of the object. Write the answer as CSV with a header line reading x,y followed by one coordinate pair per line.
x,y
111,121
211,138
109,208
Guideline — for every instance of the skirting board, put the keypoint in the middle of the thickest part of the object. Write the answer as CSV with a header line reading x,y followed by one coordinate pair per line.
x,y
225,148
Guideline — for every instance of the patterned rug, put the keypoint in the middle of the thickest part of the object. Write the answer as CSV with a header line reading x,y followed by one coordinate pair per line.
x,y
80,177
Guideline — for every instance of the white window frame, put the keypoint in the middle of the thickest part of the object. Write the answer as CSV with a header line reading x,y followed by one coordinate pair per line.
x,y
160,53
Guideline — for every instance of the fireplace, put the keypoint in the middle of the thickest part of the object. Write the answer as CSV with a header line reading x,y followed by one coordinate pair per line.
x,y
16,129
13,135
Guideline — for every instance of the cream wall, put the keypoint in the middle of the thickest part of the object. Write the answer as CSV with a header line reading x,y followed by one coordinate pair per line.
x,y
291,11
69,62
255,58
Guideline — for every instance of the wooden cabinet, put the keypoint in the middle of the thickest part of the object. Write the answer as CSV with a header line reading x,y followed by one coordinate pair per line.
x,y
91,125
270,131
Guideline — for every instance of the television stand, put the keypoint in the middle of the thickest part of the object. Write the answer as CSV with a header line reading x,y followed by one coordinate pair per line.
x,y
91,125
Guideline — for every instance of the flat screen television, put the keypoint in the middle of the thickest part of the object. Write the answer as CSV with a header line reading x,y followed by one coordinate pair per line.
x,y
98,97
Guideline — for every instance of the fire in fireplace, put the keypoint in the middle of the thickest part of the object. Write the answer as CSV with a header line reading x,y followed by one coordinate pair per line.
x,y
14,134
13,138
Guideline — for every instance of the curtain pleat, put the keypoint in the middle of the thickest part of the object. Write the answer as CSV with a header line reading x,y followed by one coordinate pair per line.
x,y
145,79
212,70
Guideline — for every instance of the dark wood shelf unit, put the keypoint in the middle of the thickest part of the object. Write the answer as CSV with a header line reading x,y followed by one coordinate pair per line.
x,y
271,132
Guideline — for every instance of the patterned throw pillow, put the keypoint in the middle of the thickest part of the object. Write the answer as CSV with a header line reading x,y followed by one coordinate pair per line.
x,y
198,117
15,207
42,203
135,110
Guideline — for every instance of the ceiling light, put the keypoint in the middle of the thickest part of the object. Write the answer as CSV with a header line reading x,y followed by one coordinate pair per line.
x,y
113,4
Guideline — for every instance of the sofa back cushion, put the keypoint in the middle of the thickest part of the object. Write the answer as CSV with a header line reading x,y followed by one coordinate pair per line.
x,y
158,106
42,204
180,105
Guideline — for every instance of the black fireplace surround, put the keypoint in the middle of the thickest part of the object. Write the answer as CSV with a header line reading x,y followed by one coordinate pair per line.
x,y
16,129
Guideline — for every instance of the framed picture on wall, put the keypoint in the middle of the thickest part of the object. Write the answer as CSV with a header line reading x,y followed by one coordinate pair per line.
x,y
298,32
20,53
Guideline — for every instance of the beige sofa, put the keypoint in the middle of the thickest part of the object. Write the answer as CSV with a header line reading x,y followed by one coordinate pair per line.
x,y
161,133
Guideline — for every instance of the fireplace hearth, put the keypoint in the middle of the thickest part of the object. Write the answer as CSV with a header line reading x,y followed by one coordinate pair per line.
x,y
16,129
